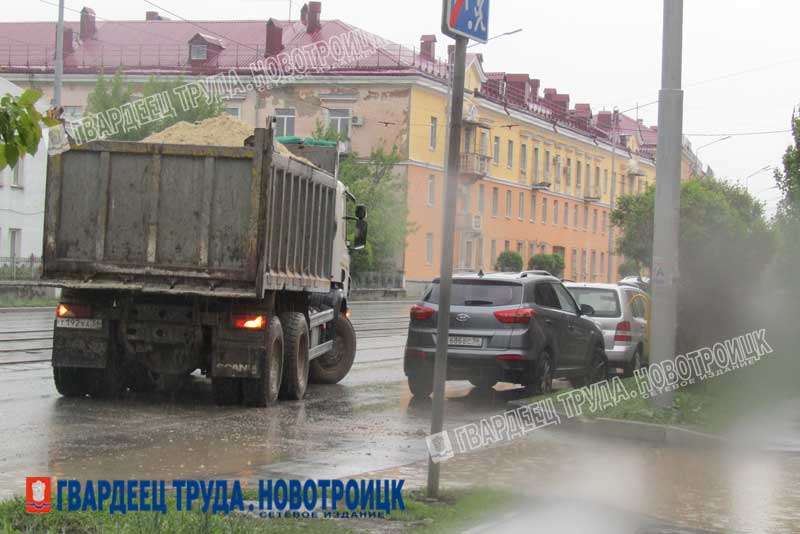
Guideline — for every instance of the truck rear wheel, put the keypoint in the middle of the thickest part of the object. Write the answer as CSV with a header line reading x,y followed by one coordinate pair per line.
x,y
334,366
263,391
74,381
295,356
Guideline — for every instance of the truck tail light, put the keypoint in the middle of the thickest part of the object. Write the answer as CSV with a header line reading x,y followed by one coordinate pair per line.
x,y
421,313
250,322
623,332
518,316
77,311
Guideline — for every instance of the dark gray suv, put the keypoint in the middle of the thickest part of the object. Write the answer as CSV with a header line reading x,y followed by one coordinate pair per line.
x,y
506,327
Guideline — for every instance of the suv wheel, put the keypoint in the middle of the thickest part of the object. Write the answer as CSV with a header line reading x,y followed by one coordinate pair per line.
x,y
598,367
635,364
543,380
420,381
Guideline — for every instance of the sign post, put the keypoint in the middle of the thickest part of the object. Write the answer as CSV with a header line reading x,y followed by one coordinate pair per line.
x,y
463,20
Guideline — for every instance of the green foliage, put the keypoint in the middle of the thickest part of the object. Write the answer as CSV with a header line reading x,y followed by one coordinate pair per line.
x,y
20,126
374,184
724,246
629,267
509,261
787,220
552,263
328,133
115,93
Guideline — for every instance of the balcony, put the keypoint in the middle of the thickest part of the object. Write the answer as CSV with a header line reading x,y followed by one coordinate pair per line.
x,y
592,194
474,166
542,185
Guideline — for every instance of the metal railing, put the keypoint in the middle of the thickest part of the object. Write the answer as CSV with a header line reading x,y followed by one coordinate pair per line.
x,y
474,164
379,280
20,268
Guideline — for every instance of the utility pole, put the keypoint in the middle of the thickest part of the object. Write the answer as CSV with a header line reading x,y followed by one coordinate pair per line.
x,y
59,56
612,200
664,275
447,251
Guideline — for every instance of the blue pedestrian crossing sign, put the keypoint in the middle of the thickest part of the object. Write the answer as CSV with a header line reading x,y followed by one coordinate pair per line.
x,y
466,18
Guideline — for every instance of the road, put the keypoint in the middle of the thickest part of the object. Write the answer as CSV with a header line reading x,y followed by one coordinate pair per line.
x,y
370,424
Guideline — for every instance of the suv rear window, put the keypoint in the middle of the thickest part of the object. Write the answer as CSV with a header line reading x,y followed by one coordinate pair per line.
x,y
604,301
479,293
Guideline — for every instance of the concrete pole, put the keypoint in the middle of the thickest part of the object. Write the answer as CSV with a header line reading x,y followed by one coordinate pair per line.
x,y
59,55
613,198
664,275
448,239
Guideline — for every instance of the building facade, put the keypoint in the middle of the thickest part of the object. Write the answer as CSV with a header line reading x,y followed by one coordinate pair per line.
x,y
537,176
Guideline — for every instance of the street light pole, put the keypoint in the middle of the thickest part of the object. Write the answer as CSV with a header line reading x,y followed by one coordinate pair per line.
x,y
447,251
613,193
697,152
59,56
664,275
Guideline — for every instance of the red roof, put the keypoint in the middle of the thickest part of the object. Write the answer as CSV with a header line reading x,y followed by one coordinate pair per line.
x,y
154,46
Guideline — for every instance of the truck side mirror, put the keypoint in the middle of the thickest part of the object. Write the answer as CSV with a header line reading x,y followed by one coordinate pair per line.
x,y
361,211
360,237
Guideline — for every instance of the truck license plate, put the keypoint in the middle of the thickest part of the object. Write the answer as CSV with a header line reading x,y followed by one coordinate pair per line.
x,y
464,341
87,324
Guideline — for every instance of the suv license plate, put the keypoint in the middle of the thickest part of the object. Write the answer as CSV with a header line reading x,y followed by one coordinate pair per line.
x,y
464,341
87,324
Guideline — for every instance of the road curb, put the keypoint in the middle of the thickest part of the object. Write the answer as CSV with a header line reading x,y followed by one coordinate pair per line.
x,y
638,431
17,309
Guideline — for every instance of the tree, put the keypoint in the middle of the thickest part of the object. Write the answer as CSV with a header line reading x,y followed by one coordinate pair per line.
x,y
724,246
324,133
20,126
787,219
509,261
629,268
374,184
552,263
116,93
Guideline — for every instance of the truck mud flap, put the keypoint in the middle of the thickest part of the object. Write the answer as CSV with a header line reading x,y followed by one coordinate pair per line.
x,y
238,354
81,348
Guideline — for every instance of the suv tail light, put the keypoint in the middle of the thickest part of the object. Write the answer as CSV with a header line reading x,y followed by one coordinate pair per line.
x,y
249,322
518,316
508,357
77,311
421,313
623,332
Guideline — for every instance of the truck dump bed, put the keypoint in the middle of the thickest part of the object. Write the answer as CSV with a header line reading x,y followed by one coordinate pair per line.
x,y
183,219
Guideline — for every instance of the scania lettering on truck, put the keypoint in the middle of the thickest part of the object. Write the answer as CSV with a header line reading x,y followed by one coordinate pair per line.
x,y
173,258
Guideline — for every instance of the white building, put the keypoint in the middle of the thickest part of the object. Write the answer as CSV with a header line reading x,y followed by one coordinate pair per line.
x,y
22,199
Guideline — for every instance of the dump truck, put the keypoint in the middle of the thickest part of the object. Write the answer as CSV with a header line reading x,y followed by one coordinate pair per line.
x,y
234,261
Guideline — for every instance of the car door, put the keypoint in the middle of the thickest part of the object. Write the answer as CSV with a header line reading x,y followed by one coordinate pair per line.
x,y
548,311
577,333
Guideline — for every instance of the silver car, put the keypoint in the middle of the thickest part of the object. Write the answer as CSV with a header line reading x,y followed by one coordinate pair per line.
x,y
621,312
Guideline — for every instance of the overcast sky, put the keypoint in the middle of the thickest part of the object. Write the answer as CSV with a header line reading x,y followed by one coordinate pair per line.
x,y
741,70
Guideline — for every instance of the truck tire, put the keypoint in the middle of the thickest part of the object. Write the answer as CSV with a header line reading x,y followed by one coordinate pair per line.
x,y
295,356
110,382
334,366
226,391
74,381
263,391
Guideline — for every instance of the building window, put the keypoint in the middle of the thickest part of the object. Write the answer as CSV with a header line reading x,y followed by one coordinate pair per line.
x,y
14,242
558,173
593,264
594,222
510,155
484,143
568,181
584,272
605,180
574,263
496,151
480,198
521,207
521,248
507,245
602,263
479,254
523,160
622,189
588,177
555,212
605,222
508,204
536,163
586,219
578,169
233,111
494,251
72,113
547,164
533,209
575,216
199,52
566,214
434,130
429,249
284,121
431,190
544,210
596,181
17,173
339,120
495,201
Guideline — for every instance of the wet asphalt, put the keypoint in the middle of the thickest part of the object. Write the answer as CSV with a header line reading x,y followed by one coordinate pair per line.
x,y
370,424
